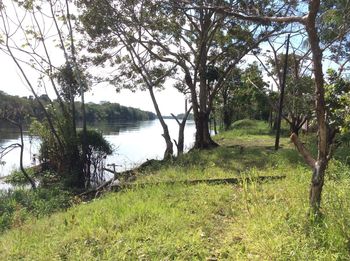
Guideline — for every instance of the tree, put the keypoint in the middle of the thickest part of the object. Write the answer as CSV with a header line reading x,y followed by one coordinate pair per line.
x,y
227,96
337,96
137,68
181,137
181,33
34,57
245,96
297,108
339,28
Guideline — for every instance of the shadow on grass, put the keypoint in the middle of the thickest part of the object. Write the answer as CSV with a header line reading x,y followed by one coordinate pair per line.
x,y
291,156
239,151
236,158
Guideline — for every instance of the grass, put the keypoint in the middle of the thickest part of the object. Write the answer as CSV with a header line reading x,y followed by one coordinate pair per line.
x,y
255,221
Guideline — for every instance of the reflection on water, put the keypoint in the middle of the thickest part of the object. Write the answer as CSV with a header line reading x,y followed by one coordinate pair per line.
x,y
134,142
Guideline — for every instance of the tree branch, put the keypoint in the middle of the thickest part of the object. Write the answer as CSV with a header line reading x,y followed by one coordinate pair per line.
x,y
303,151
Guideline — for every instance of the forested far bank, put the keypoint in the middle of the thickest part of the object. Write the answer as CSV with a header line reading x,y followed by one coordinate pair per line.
x,y
29,107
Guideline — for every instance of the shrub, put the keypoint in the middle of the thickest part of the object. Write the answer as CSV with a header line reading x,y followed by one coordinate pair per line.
x,y
19,205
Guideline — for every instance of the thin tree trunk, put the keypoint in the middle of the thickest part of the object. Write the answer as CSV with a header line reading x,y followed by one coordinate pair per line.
x,y
85,161
169,145
181,139
322,160
32,183
21,145
280,108
324,142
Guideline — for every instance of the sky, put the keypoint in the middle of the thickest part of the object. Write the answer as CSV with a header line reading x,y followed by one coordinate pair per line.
x,y
170,100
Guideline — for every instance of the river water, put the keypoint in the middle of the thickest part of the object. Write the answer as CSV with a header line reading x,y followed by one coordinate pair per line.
x,y
133,143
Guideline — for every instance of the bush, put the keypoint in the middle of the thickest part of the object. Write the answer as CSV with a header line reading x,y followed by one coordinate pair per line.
x,y
19,205
17,178
245,124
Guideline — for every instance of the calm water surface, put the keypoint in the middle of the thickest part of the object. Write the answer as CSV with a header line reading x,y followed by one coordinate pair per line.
x,y
133,143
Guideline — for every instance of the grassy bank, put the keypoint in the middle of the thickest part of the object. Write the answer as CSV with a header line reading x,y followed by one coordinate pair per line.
x,y
255,221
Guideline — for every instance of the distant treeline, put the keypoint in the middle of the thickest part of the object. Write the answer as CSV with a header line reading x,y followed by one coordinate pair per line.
x,y
179,116
94,112
114,111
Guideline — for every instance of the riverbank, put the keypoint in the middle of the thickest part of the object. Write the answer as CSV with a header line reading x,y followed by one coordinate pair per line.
x,y
248,221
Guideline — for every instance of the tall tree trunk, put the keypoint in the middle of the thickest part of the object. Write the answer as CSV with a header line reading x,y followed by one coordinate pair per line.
x,y
169,145
84,174
322,160
280,107
318,166
203,138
